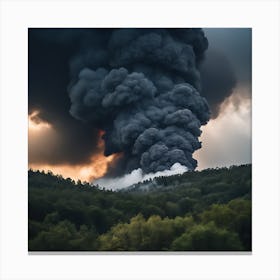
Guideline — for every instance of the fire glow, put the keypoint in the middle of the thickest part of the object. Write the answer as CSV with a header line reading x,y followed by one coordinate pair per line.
x,y
94,169
35,123
88,172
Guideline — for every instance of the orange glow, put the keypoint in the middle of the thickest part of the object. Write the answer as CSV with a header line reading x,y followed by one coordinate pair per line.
x,y
85,172
35,123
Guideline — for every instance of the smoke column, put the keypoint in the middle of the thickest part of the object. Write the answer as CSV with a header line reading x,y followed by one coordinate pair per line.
x,y
141,87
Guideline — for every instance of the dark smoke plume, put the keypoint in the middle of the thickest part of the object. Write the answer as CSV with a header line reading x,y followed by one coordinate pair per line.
x,y
141,87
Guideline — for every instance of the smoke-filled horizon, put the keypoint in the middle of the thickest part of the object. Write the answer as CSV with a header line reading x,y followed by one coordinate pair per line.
x,y
141,87
147,91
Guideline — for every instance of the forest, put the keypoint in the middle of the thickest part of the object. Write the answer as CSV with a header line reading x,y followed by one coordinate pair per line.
x,y
207,210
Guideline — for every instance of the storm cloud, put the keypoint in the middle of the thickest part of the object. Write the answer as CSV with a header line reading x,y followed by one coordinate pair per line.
x,y
144,88
227,65
48,78
144,95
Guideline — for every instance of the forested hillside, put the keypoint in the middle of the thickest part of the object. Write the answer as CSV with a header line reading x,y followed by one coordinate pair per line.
x,y
196,211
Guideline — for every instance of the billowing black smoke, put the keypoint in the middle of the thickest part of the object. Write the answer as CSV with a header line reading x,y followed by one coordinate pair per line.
x,y
141,87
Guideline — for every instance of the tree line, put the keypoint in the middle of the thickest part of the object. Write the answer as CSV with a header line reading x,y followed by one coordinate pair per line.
x,y
195,211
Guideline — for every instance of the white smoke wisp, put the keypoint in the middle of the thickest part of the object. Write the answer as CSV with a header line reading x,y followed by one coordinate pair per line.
x,y
137,176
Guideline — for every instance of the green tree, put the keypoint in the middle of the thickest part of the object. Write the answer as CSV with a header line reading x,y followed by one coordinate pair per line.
x,y
172,209
186,204
150,210
153,234
207,238
97,218
57,238
242,221
234,216
64,237
221,215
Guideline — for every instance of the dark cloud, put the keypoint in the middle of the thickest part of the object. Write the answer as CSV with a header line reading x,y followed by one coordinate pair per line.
x,y
218,80
48,78
236,45
227,64
148,85
140,86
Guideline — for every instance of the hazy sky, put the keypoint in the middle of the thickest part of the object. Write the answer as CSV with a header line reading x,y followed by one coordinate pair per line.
x,y
60,143
227,139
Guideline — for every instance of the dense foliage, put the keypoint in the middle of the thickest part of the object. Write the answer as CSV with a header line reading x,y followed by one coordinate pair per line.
x,y
208,210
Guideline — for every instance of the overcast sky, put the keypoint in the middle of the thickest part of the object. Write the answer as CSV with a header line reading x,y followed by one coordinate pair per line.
x,y
227,139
